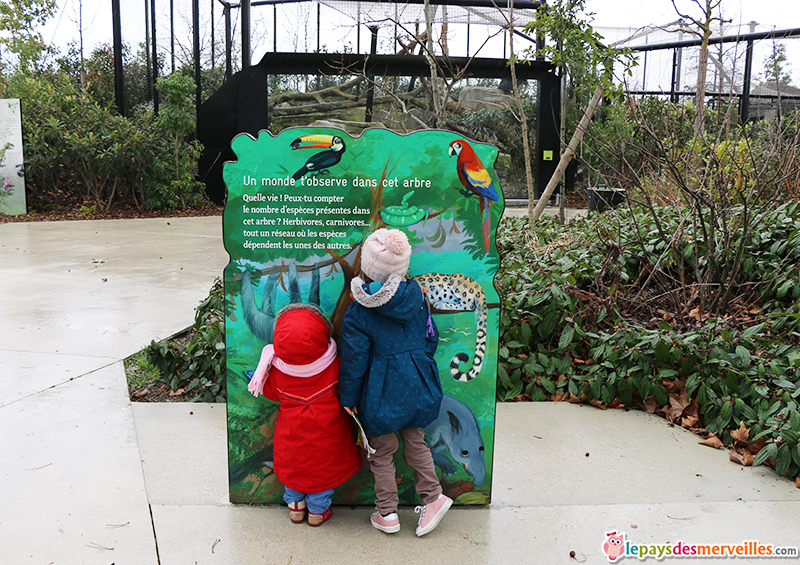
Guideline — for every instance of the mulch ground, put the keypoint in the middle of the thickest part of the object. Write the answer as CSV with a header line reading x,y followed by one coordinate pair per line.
x,y
82,210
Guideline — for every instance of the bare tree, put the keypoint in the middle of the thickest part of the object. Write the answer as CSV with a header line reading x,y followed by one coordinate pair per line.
x,y
701,27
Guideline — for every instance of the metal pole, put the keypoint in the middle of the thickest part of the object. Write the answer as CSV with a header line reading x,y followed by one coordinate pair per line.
x,y
673,94
212,33
744,114
468,18
148,93
155,55
228,42
245,8
119,90
274,28
172,33
373,49
196,33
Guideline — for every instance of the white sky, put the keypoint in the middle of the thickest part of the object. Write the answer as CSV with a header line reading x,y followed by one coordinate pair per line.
x,y
633,14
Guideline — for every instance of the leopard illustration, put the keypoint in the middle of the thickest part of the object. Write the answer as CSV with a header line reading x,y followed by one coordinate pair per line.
x,y
459,293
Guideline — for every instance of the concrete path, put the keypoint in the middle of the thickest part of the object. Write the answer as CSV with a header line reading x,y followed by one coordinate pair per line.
x,y
87,477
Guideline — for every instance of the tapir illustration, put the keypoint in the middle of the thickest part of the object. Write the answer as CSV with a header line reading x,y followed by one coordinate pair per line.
x,y
456,430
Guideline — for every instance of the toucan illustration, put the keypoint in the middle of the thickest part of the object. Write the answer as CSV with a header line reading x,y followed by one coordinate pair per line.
x,y
323,160
476,180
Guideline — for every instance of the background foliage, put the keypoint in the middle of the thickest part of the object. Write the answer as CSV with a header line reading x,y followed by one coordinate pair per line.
x,y
578,325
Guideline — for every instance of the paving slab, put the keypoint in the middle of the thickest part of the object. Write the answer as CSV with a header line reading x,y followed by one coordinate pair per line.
x,y
71,484
642,477
78,298
88,478
104,288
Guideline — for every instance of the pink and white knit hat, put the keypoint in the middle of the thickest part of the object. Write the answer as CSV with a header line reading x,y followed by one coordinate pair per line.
x,y
385,252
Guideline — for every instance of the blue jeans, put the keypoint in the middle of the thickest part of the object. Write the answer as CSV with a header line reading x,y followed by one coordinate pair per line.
x,y
317,502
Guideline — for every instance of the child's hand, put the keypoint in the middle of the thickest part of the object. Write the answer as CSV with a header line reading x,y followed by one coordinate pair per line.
x,y
351,410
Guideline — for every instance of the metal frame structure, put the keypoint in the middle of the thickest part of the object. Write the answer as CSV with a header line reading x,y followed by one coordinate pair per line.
x,y
745,96
241,104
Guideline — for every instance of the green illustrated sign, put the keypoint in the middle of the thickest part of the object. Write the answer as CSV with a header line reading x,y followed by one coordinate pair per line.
x,y
299,206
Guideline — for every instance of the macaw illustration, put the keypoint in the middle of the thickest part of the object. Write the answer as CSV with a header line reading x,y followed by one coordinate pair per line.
x,y
476,180
614,545
456,431
323,160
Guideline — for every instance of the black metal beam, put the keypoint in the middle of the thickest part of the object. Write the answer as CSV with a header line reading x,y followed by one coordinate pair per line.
x,y
196,52
371,88
744,110
228,46
518,4
777,34
246,55
155,54
396,65
119,88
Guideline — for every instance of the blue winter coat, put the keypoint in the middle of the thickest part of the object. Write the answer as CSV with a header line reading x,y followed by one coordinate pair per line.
x,y
387,367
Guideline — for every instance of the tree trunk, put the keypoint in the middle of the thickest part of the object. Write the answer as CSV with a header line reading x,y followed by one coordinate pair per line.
x,y
702,70
569,153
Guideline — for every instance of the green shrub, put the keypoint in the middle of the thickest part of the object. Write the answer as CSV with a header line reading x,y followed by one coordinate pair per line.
x,y
578,323
199,365
175,122
76,147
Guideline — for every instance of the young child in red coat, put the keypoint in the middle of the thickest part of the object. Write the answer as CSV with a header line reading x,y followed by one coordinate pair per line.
x,y
314,446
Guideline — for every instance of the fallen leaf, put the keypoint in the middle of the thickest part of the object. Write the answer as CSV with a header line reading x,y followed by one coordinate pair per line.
x,y
598,404
741,435
178,392
573,399
650,405
712,441
797,482
689,422
743,458
758,445
558,397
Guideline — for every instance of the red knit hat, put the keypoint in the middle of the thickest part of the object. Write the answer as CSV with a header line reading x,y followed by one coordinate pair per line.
x,y
301,335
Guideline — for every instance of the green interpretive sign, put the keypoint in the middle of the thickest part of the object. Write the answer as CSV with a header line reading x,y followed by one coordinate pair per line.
x,y
299,206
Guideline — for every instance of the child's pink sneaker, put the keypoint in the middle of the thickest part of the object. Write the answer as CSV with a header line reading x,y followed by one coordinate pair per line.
x,y
389,524
432,514
297,511
319,519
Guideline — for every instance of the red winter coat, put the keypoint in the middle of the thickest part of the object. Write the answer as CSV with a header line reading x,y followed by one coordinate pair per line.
x,y
314,446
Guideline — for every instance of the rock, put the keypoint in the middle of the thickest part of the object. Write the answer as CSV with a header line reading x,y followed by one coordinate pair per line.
x,y
475,97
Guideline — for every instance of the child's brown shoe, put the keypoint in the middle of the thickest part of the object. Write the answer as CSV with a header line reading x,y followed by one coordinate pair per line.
x,y
319,519
297,512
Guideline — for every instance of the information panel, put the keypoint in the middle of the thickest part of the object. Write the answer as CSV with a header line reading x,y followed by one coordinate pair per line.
x,y
12,181
299,206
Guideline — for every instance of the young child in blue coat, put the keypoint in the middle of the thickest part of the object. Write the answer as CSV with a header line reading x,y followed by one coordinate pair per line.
x,y
389,378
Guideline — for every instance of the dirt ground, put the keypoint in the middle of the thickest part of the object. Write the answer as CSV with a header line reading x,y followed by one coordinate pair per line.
x,y
82,210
